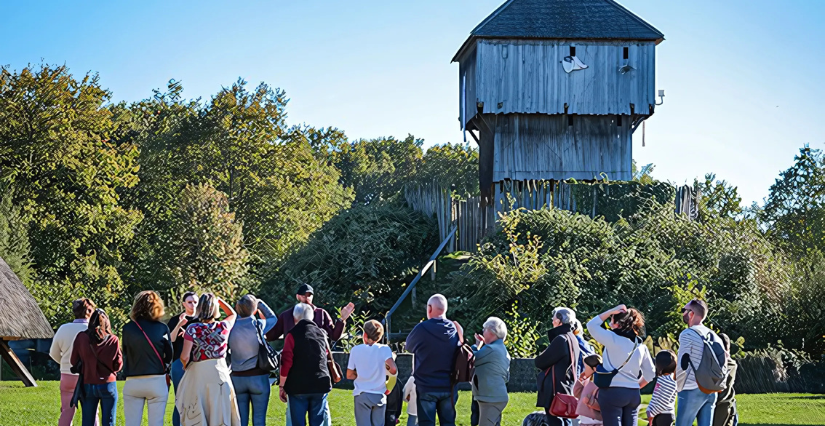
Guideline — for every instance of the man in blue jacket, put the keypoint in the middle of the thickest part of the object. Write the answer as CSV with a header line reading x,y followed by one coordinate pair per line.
x,y
434,344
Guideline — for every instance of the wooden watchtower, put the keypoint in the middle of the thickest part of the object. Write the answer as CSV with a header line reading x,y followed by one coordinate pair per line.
x,y
554,89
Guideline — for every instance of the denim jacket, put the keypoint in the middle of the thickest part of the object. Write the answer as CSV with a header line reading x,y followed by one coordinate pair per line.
x,y
492,372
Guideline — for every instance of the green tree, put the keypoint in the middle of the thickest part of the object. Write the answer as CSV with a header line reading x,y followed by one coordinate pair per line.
x,y
14,240
65,174
719,198
794,212
378,169
451,165
206,249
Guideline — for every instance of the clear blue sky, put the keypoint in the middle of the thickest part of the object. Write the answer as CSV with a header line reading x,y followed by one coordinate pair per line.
x,y
743,79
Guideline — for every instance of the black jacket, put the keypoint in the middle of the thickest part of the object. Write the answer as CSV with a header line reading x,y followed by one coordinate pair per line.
x,y
557,356
309,372
139,358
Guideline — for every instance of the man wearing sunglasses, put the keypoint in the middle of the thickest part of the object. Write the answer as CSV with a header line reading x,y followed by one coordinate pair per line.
x,y
693,403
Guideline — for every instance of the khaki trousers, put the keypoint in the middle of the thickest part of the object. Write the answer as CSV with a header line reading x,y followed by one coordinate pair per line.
x,y
143,391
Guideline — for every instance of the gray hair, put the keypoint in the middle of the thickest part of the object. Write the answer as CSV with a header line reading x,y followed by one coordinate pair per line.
x,y
303,311
564,315
496,326
439,302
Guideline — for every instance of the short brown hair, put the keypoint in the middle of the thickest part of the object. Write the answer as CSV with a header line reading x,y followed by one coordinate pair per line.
x,y
699,307
83,308
631,320
208,307
148,306
665,362
374,330
246,306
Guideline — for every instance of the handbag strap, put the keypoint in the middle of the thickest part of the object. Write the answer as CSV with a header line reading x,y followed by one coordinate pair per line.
x,y
260,331
152,345
636,346
91,346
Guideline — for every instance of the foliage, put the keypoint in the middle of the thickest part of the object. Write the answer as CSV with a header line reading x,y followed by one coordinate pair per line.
x,y
206,251
643,174
352,335
14,241
522,334
65,173
794,212
654,260
365,253
719,198
451,165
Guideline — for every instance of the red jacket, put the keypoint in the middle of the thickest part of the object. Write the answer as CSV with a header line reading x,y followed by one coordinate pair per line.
x,y
322,319
107,352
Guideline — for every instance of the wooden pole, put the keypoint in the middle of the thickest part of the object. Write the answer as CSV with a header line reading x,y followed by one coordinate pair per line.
x,y
16,365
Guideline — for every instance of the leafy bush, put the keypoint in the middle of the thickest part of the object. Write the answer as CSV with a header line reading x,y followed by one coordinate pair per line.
x,y
653,260
365,254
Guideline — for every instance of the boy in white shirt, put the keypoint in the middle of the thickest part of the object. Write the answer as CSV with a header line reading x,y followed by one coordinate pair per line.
x,y
368,366
409,396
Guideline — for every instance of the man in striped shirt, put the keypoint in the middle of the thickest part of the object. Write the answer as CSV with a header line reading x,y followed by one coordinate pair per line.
x,y
693,403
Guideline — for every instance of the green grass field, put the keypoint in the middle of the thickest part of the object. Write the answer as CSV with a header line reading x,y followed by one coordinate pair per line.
x,y
40,406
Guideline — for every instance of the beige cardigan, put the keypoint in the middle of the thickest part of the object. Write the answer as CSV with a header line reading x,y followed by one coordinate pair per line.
x,y
587,393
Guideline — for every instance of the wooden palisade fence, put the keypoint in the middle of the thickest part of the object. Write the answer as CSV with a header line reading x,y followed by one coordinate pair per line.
x,y
473,220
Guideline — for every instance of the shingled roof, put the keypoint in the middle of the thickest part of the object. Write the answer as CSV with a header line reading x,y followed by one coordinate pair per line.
x,y
20,317
564,19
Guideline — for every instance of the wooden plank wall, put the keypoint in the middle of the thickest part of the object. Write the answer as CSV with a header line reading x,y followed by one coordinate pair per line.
x,y
467,214
526,76
560,147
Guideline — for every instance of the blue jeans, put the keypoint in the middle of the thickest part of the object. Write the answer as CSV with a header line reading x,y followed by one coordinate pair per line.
x,y
695,405
255,390
310,404
327,415
441,403
106,396
177,374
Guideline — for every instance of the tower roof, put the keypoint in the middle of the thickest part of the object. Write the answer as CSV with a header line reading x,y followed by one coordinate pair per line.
x,y
20,317
564,19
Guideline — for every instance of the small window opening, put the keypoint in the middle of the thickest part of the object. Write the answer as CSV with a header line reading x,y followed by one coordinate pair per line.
x,y
625,52
619,120
572,50
569,120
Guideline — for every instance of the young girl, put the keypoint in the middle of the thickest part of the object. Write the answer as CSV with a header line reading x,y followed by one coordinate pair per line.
x,y
585,390
368,367
662,408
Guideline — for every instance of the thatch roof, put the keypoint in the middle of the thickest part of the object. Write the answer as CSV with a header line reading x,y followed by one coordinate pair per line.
x,y
20,317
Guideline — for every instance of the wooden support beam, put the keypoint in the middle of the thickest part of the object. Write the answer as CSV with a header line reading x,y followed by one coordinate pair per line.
x,y
16,365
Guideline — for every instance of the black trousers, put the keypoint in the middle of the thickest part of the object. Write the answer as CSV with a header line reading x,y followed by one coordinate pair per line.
x,y
666,419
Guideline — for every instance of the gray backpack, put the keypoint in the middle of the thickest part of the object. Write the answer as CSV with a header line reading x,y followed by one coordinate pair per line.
x,y
712,372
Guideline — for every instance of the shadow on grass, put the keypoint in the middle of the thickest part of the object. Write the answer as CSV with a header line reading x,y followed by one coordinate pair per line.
x,y
812,397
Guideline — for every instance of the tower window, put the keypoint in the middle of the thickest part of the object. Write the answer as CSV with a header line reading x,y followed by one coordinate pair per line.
x,y
625,52
569,119
619,120
572,50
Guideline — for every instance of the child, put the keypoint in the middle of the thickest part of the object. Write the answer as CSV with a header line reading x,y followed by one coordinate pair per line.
x,y
409,396
586,391
368,366
395,401
662,408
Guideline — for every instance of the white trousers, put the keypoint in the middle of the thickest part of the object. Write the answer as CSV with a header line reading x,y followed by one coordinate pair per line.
x,y
145,390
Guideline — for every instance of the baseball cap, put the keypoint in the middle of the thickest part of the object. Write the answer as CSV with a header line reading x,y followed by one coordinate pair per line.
x,y
304,289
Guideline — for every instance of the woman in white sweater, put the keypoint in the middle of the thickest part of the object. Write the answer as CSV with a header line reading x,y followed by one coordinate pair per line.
x,y
61,352
625,354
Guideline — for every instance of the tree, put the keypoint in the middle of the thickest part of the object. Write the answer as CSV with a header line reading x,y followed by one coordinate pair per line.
x,y
206,249
65,173
794,212
14,241
451,165
378,169
719,198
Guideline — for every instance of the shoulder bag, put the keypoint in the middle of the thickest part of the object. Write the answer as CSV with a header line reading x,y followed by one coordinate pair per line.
x,y
79,392
267,357
335,372
563,405
603,378
165,367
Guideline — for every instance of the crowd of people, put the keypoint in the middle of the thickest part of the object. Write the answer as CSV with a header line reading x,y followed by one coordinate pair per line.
x,y
575,384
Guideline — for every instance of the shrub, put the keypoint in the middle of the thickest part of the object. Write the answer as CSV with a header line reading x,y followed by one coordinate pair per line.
x,y
365,254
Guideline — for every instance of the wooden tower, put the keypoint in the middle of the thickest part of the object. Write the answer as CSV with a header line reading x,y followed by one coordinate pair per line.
x,y
553,90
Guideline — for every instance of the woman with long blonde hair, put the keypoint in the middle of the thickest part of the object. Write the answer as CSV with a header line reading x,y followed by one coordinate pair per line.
x,y
148,352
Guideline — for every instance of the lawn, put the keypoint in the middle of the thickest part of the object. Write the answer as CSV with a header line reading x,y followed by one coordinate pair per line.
x,y
39,406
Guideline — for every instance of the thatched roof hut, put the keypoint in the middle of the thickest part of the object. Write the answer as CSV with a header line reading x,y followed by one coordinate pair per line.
x,y
20,317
